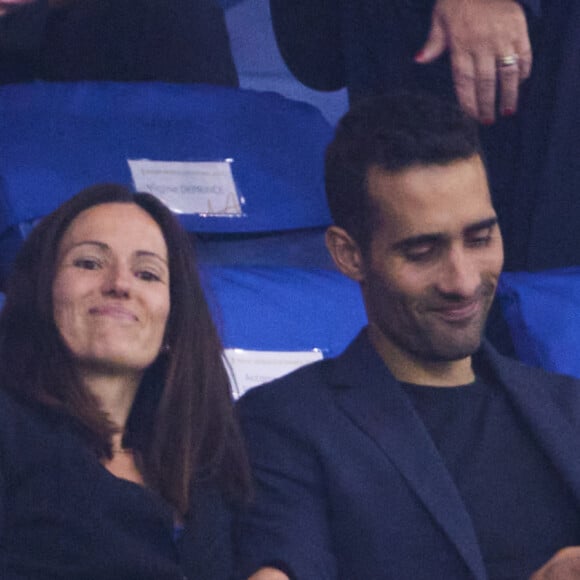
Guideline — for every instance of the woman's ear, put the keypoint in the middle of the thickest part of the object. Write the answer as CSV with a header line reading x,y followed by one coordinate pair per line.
x,y
345,252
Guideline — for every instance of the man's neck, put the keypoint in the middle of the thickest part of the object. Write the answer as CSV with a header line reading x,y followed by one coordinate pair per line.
x,y
409,368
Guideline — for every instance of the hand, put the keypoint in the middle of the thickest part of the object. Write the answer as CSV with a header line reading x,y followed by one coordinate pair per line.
x,y
477,33
9,6
268,574
565,565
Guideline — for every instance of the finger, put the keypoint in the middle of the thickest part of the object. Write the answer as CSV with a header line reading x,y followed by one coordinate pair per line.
x,y
523,48
462,68
563,566
435,45
509,82
525,63
485,88
10,6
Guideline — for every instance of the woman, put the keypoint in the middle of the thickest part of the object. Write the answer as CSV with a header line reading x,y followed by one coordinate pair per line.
x,y
119,453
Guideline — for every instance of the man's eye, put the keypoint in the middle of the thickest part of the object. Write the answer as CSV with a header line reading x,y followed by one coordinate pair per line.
x,y
420,254
480,241
148,276
87,263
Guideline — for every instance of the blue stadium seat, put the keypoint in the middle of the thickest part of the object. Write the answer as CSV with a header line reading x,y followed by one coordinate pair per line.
x,y
57,138
542,310
284,309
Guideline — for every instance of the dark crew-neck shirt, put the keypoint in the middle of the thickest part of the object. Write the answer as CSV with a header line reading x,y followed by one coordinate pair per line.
x,y
521,509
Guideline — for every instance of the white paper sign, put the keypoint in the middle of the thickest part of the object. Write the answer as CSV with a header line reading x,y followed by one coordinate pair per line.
x,y
250,368
205,188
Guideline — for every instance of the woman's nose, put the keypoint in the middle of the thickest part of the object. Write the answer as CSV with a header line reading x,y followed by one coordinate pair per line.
x,y
117,281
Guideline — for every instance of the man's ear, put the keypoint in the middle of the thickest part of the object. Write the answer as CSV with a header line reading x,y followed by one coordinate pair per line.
x,y
345,252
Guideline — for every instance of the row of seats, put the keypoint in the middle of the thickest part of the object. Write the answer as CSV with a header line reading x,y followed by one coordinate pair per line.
x,y
268,277
266,270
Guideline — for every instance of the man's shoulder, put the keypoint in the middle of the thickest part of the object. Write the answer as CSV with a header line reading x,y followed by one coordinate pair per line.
x,y
314,386
309,382
538,386
508,367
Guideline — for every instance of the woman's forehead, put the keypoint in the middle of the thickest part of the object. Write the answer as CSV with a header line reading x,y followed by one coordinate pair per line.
x,y
122,226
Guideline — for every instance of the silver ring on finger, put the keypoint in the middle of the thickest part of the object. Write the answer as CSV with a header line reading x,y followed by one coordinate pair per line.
x,y
506,61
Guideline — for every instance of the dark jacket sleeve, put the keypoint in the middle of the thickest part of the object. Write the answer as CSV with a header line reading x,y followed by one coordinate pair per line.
x,y
118,40
206,548
308,33
533,7
188,42
286,525
21,36
23,30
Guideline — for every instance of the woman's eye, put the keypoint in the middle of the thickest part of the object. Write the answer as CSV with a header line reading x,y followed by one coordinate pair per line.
x,y
87,263
148,276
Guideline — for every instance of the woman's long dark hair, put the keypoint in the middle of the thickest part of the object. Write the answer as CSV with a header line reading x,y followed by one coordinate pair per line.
x,y
182,422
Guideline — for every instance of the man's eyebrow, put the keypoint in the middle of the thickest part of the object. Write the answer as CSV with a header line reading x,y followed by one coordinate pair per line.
x,y
408,243
482,225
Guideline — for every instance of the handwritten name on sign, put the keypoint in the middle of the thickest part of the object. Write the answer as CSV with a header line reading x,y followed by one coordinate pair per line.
x,y
189,187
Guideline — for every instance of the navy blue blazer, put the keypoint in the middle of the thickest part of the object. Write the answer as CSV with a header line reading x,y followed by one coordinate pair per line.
x,y
350,485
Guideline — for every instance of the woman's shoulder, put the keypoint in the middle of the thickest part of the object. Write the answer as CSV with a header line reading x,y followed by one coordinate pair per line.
x,y
13,410
26,427
16,410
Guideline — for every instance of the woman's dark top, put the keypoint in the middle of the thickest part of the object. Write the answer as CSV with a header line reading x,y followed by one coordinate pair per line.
x,y
182,41
64,516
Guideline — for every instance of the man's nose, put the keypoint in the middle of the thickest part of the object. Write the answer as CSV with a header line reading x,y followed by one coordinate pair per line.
x,y
459,273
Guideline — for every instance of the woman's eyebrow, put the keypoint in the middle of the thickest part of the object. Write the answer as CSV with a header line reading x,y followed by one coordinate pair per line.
x,y
150,254
106,248
100,245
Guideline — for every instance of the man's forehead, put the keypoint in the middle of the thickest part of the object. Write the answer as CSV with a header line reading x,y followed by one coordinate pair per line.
x,y
430,198
417,173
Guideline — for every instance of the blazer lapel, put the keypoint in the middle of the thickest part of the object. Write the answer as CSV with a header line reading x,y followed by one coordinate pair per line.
x,y
372,398
549,404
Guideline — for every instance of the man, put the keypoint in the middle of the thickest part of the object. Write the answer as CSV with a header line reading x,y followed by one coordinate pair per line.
x,y
419,453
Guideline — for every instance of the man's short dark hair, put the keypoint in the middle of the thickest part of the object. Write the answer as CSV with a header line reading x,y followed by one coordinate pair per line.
x,y
393,132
